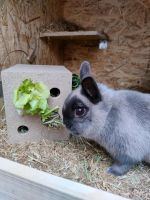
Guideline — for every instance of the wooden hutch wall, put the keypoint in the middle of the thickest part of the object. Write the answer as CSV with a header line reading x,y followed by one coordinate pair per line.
x,y
126,62
20,25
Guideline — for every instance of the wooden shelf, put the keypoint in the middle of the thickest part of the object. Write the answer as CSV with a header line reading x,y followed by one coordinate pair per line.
x,y
74,35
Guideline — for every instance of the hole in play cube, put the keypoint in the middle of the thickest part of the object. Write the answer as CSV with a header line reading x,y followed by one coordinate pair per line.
x,y
23,129
54,92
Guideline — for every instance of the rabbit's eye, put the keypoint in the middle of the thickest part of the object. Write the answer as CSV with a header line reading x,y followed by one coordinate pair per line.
x,y
80,111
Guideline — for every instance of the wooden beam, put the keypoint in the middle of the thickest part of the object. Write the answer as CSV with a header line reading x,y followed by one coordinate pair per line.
x,y
74,35
19,182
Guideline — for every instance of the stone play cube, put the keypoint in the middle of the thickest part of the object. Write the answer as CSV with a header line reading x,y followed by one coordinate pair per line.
x,y
59,81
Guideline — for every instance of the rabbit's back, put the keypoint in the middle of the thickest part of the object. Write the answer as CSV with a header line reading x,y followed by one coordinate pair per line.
x,y
129,124
136,106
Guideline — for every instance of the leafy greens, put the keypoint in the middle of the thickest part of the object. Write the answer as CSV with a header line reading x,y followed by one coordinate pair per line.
x,y
31,98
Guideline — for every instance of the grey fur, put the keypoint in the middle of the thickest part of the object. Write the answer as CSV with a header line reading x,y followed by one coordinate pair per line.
x,y
120,123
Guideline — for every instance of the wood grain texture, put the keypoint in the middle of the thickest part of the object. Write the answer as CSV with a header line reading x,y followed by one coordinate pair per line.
x,y
20,23
21,182
125,64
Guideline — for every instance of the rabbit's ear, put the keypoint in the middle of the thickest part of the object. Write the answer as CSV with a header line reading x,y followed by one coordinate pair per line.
x,y
85,69
90,89
88,83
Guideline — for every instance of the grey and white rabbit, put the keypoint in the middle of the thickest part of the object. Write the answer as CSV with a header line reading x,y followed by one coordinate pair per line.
x,y
118,120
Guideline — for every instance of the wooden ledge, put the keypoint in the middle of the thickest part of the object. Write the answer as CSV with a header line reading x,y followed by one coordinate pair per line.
x,y
74,35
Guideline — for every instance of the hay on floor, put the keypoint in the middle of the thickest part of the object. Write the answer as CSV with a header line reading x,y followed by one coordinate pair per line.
x,y
78,160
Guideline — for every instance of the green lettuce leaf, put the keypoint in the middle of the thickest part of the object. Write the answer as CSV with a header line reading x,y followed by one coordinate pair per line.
x,y
31,98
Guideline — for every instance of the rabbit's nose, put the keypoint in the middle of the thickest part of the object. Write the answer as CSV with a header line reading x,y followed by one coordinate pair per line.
x,y
67,123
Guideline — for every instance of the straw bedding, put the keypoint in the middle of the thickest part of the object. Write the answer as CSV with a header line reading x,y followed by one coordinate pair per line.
x,y
78,160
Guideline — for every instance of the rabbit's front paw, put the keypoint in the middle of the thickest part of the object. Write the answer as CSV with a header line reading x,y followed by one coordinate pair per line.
x,y
113,171
118,170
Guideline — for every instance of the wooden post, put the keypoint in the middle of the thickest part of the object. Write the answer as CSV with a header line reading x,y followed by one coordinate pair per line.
x,y
50,51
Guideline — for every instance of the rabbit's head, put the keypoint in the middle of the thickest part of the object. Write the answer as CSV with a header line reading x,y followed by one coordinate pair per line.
x,y
84,111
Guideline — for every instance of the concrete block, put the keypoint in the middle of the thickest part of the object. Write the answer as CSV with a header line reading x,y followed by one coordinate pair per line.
x,y
53,77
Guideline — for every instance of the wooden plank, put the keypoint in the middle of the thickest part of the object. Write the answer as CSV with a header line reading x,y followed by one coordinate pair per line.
x,y
74,35
19,182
